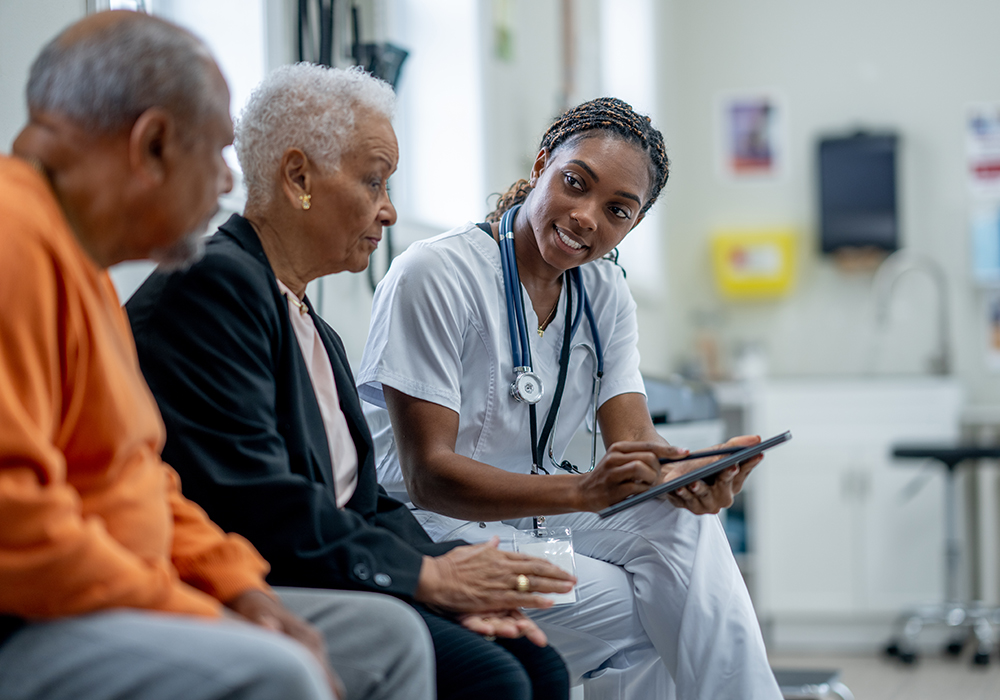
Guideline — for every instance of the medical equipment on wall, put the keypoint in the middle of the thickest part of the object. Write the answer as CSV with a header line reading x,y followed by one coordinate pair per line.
x,y
753,264
322,40
527,386
857,192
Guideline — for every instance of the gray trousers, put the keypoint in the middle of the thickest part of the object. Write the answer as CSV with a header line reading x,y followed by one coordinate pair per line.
x,y
379,646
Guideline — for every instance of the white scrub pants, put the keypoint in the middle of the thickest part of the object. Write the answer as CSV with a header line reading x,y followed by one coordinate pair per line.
x,y
662,609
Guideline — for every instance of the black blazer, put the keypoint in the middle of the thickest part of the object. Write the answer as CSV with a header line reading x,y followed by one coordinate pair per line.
x,y
244,430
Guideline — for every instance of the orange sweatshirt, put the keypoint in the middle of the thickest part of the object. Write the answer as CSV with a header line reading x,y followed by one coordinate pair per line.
x,y
90,517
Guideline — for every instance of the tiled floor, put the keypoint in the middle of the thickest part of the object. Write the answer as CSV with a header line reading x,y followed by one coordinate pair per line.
x,y
934,677
879,678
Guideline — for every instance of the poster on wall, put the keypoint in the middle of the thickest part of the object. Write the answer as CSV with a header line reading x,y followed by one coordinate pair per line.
x,y
984,224
982,139
751,136
992,324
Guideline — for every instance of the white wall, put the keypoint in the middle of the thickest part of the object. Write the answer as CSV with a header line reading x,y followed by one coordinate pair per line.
x,y
904,64
26,26
913,66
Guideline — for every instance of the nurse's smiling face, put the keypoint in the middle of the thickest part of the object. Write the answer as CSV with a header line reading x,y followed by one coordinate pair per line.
x,y
588,194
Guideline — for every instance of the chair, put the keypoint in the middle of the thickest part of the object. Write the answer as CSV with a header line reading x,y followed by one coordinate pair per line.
x,y
963,618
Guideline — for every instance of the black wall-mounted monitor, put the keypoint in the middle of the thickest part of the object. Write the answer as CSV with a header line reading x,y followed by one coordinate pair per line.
x,y
857,192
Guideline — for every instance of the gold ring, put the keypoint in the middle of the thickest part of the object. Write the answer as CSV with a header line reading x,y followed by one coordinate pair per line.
x,y
522,584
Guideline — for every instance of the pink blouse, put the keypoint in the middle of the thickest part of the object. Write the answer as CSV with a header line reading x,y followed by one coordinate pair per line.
x,y
343,452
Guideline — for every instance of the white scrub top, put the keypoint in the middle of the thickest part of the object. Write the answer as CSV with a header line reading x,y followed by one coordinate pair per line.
x,y
656,583
439,332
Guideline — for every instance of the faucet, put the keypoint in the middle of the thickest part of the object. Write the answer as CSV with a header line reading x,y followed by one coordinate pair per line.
x,y
888,274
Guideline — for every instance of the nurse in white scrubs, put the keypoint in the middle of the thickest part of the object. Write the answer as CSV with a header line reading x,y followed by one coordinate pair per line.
x,y
662,610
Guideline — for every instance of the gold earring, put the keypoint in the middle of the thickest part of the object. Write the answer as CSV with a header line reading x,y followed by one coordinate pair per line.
x,y
306,200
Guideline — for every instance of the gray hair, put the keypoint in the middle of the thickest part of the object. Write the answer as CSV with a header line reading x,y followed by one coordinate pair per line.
x,y
105,79
303,106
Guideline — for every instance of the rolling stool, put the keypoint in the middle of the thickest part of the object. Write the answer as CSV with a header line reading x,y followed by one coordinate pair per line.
x,y
963,618
810,684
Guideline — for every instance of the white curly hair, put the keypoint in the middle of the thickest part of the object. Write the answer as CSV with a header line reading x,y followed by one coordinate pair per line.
x,y
303,106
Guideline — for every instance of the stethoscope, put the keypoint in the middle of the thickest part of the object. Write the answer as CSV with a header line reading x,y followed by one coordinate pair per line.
x,y
527,386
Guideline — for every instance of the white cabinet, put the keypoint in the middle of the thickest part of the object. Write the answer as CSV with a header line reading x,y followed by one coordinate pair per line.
x,y
832,532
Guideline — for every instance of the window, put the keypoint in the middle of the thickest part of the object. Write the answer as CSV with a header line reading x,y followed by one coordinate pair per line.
x,y
440,182
234,31
628,71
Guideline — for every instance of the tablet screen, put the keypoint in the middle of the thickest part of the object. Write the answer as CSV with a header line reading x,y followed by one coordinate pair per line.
x,y
697,474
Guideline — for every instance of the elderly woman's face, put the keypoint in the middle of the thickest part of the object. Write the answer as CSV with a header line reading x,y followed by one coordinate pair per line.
x,y
350,204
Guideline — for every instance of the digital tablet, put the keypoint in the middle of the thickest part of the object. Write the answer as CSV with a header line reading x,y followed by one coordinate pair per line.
x,y
697,474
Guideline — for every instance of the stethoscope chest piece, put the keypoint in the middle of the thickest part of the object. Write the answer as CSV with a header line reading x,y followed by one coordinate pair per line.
x,y
527,386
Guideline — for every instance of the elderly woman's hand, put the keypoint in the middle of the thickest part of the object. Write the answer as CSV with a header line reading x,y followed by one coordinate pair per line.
x,y
511,624
701,498
484,579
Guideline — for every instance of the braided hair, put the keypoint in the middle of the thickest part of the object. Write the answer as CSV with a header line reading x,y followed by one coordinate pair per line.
x,y
609,115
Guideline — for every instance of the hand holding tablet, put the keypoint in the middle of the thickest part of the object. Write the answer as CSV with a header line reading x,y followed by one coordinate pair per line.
x,y
735,456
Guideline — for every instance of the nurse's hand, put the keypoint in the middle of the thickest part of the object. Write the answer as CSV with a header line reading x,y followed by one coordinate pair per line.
x,y
626,469
701,498
483,579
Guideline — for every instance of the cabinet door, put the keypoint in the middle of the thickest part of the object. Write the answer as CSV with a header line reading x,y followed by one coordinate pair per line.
x,y
831,529
802,526
904,532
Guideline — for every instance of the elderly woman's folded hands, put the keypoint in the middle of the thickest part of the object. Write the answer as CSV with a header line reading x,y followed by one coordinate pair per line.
x,y
486,586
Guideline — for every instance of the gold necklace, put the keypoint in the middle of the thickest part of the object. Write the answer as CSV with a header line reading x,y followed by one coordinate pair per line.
x,y
303,309
544,324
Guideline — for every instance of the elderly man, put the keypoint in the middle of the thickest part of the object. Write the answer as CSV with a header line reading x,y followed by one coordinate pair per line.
x,y
111,583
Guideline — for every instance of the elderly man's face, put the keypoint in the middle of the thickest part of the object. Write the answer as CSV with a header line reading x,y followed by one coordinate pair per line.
x,y
201,176
351,204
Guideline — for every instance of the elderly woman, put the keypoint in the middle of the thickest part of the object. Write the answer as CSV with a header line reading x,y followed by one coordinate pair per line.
x,y
263,418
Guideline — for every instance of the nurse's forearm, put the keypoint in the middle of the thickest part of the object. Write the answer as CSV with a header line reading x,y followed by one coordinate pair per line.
x,y
463,488
439,479
469,490
625,418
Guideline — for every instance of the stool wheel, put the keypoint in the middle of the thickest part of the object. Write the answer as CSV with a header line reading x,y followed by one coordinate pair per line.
x,y
908,657
892,648
981,659
954,647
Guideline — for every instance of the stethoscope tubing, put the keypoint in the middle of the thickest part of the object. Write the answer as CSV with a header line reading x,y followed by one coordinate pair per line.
x,y
513,289
587,309
520,346
578,316
508,284
595,393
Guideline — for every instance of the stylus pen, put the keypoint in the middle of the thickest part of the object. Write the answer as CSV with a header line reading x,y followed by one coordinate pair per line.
x,y
706,453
